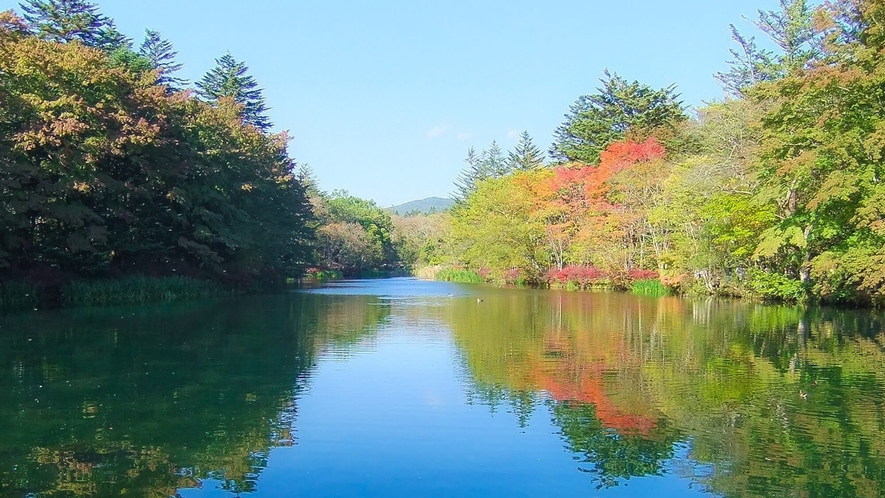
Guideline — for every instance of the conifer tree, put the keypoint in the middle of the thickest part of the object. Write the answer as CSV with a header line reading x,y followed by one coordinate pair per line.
x,y
618,108
489,163
525,155
792,31
161,55
229,79
68,20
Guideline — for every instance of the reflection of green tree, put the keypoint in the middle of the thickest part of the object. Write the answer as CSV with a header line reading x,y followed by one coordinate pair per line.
x,y
99,402
612,456
725,375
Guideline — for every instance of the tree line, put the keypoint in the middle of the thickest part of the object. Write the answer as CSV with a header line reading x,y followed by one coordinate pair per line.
x,y
112,165
774,191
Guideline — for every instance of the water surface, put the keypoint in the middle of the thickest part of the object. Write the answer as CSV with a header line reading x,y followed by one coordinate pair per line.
x,y
400,387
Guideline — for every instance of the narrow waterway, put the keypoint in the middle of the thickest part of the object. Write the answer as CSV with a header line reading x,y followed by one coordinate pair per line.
x,y
408,388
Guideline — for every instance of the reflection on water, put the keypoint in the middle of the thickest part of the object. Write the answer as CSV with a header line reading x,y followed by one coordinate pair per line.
x,y
401,387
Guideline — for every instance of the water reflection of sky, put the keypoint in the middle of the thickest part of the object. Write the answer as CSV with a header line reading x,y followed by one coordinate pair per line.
x,y
402,387
389,417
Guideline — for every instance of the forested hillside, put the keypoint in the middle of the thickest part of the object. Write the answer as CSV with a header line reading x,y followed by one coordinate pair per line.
x,y
774,192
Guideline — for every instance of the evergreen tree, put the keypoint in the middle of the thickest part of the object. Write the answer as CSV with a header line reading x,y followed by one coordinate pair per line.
x,y
791,29
162,57
494,161
67,20
526,155
110,39
489,163
620,107
229,79
465,183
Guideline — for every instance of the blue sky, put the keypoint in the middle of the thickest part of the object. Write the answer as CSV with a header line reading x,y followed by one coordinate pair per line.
x,y
384,98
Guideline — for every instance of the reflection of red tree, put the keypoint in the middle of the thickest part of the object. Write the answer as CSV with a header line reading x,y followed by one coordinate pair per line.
x,y
566,377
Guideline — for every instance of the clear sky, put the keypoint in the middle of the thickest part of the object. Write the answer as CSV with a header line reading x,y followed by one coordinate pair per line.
x,y
383,98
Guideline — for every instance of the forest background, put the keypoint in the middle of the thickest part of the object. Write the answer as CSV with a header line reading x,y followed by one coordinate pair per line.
x,y
116,176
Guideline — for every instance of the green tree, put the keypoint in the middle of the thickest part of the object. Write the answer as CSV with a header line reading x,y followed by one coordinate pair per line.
x,y
525,155
617,109
161,55
822,168
230,79
792,31
68,20
490,163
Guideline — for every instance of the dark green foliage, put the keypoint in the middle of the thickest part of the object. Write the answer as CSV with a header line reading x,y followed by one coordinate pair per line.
x,y
105,173
162,58
137,290
229,80
617,109
68,20
525,155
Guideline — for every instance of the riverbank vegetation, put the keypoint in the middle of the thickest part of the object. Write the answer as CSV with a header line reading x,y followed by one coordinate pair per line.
x,y
774,192
114,171
110,169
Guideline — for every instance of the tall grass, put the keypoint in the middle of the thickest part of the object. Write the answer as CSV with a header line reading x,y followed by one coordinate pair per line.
x,y
459,276
649,287
17,296
137,290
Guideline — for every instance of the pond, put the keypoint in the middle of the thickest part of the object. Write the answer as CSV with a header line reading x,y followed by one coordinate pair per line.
x,y
408,388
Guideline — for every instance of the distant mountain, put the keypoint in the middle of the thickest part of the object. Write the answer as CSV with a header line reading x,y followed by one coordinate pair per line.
x,y
424,206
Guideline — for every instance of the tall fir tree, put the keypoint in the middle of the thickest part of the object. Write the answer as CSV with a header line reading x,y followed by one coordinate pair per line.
x,y
525,155
229,79
161,55
69,20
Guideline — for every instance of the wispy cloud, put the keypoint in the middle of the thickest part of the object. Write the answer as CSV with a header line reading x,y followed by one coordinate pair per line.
x,y
437,131
462,136
513,134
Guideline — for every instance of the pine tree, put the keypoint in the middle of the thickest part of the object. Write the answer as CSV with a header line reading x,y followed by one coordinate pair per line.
x,y
618,108
229,79
465,183
68,20
791,29
526,155
162,57
489,163
494,161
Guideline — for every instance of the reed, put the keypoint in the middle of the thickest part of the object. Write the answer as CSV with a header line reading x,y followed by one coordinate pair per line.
x,y
649,287
137,290
459,276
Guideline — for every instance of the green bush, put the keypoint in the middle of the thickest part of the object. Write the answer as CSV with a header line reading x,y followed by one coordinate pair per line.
x,y
776,287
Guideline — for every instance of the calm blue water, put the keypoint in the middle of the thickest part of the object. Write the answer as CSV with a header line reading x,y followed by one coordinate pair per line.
x,y
407,388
